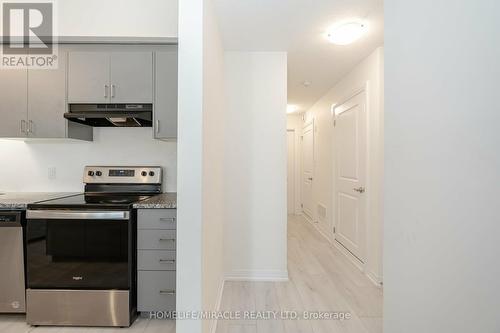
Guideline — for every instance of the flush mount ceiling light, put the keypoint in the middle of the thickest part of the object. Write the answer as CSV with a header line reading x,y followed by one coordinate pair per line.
x,y
346,33
291,108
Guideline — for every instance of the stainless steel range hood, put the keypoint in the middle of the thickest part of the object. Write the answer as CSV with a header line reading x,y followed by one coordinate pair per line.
x,y
111,115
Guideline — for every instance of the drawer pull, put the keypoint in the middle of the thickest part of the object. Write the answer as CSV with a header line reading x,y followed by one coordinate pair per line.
x,y
166,261
167,292
167,219
166,239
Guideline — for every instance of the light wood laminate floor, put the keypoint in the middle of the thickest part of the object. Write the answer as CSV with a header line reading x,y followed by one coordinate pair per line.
x,y
321,279
17,324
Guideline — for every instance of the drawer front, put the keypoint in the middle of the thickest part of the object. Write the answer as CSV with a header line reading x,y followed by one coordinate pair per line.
x,y
155,291
156,239
156,218
156,260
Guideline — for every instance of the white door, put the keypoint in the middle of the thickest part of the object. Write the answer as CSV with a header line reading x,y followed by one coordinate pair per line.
x,y
290,138
350,196
307,168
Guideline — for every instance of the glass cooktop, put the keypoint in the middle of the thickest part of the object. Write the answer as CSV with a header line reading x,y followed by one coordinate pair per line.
x,y
119,201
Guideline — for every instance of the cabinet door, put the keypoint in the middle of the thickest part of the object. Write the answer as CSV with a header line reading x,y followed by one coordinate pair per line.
x,y
165,106
88,77
131,77
13,103
47,101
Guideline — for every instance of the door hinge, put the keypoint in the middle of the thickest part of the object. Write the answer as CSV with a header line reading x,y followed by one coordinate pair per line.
x,y
301,205
334,229
334,122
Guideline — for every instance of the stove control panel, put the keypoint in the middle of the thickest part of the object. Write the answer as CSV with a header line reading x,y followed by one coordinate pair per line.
x,y
122,175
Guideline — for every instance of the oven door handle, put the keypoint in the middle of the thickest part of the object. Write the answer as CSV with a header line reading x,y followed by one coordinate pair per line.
x,y
77,215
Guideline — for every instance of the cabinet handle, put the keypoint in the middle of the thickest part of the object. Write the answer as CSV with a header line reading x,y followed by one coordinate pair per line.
x,y
113,88
106,91
30,126
166,239
157,126
167,219
23,126
167,292
166,261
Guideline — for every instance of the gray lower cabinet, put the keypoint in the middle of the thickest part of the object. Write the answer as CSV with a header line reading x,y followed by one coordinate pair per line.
x,y
156,239
156,291
165,105
156,260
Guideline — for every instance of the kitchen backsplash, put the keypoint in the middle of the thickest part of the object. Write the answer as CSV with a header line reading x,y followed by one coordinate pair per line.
x,y
58,165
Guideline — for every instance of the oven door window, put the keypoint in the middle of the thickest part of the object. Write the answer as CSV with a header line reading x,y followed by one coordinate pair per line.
x,y
78,254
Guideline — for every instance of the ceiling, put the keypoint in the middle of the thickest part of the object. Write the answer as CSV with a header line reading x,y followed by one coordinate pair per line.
x,y
297,26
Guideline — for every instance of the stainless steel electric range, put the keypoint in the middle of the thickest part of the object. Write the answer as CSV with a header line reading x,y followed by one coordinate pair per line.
x,y
81,250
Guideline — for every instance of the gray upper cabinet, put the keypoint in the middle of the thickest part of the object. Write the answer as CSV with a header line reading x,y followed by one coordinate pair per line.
x,y
165,105
33,103
88,77
47,101
131,77
13,103
110,77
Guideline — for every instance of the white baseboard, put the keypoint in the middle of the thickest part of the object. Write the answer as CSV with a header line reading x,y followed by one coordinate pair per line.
x,y
218,302
376,280
246,275
316,226
257,275
355,261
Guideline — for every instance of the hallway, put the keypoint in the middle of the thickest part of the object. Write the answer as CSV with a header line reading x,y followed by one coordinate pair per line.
x,y
321,279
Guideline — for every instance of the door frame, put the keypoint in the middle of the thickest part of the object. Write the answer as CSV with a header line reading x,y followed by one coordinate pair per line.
x,y
294,171
366,90
304,125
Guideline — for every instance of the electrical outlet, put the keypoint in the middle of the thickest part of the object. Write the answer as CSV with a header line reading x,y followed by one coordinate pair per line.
x,y
52,173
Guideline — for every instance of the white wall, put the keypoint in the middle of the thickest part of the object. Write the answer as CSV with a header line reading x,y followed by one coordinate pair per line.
x,y
213,164
294,122
442,162
190,153
25,164
368,71
255,229
117,18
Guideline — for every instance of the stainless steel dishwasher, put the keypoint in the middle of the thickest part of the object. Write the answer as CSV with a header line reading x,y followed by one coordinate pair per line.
x,y
12,283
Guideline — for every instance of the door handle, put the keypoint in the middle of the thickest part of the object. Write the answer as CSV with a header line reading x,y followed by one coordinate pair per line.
x,y
310,178
157,126
30,126
113,88
359,189
106,91
167,292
